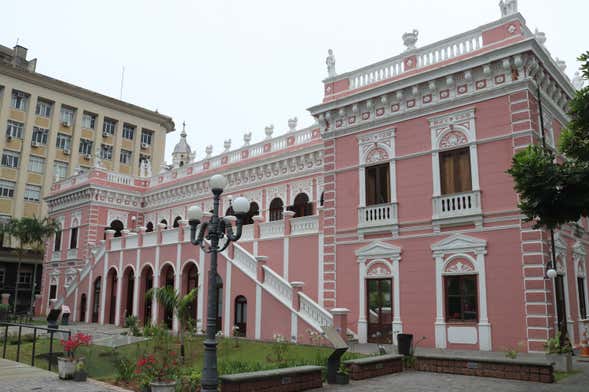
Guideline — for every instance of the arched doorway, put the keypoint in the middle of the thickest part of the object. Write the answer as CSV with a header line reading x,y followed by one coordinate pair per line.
x,y
219,303
117,226
301,206
111,295
276,208
83,305
240,315
190,276
96,299
167,280
145,306
128,291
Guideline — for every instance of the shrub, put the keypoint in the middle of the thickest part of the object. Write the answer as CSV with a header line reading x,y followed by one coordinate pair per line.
x,y
124,367
132,322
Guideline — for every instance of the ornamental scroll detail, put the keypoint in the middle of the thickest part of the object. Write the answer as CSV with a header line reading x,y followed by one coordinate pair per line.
x,y
453,139
459,267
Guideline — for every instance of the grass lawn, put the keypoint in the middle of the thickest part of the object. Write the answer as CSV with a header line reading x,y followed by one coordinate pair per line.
x,y
234,355
559,376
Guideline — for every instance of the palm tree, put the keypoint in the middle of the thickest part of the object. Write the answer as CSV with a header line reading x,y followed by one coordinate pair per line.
x,y
30,234
180,304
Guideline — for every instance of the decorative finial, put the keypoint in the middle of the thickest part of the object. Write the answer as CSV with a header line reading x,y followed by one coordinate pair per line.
x,y
410,39
247,138
540,36
269,130
227,145
578,81
183,134
292,124
209,150
562,65
508,7
330,61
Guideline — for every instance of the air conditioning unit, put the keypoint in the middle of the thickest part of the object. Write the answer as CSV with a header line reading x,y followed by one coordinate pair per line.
x,y
87,157
66,151
66,124
105,134
8,137
144,146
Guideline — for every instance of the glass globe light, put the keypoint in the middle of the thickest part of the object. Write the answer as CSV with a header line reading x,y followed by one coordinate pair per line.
x,y
241,205
195,213
551,273
218,181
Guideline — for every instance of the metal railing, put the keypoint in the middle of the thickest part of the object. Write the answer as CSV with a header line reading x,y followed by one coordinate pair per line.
x,y
50,331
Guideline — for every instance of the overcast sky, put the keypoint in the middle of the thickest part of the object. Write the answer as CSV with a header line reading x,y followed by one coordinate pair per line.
x,y
230,67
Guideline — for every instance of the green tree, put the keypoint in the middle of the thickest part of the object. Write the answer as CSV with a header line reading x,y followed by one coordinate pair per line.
x,y
30,235
180,304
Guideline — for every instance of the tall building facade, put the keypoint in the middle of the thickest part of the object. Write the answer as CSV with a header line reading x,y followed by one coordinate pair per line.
x,y
394,209
54,130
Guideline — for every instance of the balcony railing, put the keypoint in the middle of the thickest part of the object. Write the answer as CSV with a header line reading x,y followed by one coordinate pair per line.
x,y
304,225
272,229
377,215
457,205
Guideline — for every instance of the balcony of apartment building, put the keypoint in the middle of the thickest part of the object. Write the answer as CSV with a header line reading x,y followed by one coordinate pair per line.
x,y
377,211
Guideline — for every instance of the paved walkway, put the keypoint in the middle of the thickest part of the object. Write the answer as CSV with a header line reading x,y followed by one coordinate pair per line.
x,y
18,377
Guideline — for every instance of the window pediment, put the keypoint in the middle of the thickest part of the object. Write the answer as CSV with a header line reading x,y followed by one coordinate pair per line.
x,y
378,249
459,243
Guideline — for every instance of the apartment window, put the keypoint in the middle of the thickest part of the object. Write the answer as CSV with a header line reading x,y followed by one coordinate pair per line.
x,y
19,100
455,171
89,121
25,278
2,277
7,188
53,291
126,157
60,170
582,303
43,108
63,141
377,184
74,238
57,241
106,152
14,129
36,164
146,137
128,131
10,158
86,146
40,136
32,192
67,116
108,129
461,298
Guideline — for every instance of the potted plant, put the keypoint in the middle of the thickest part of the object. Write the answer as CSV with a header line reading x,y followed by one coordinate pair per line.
x,y
559,354
67,365
342,376
158,371
80,374
4,309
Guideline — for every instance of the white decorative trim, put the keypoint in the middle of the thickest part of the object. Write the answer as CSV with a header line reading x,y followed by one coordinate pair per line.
x,y
75,219
376,146
274,192
303,186
112,215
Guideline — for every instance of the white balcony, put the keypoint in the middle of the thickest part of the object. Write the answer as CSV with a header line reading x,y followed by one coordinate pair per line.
x,y
377,217
457,207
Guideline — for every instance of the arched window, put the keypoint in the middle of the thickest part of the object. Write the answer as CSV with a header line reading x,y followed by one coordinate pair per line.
x,y
253,211
455,171
301,206
276,208
117,226
177,221
96,300
165,222
149,227
240,316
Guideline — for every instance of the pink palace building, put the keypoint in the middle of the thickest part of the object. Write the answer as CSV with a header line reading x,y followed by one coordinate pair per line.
x,y
393,213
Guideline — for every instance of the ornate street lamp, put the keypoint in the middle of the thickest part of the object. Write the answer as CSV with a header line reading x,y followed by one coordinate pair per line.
x,y
214,230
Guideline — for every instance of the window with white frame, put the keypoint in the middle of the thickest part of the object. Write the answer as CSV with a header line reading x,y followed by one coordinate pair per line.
x,y
14,129
146,137
40,135
43,108
128,131
89,121
74,238
19,100
126,157
25,278
57,241
86,146
67,116
10,159
7,188
60,170
455,171
36,164
2,276
108,128
32,192
377,184
106,152
63,141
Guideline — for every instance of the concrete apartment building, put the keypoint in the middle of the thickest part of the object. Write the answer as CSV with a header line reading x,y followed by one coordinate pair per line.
x,y
53,130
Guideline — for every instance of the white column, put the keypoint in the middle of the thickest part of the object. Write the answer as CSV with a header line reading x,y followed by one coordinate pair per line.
x,y
103,287
156,284
294,324
137,284
484,326
362,325
201,290
177,283
397,323
320,269
227,324
474,167
440,325
258,318
361,186
393,180
90,297
436,173
120,282
75,312
569,320
285,260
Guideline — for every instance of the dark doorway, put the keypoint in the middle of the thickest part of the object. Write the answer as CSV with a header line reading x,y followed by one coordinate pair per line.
x,y
240,316
560,304
83,304
379,310
129,292
96,300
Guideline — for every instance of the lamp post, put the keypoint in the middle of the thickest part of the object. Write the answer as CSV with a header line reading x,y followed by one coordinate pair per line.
x,y
214,230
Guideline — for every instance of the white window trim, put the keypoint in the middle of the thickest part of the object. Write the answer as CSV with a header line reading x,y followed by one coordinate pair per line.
x,y
43,131
474,250
35,161
67,141
32,189
10,185
580,266
561,248
14,129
